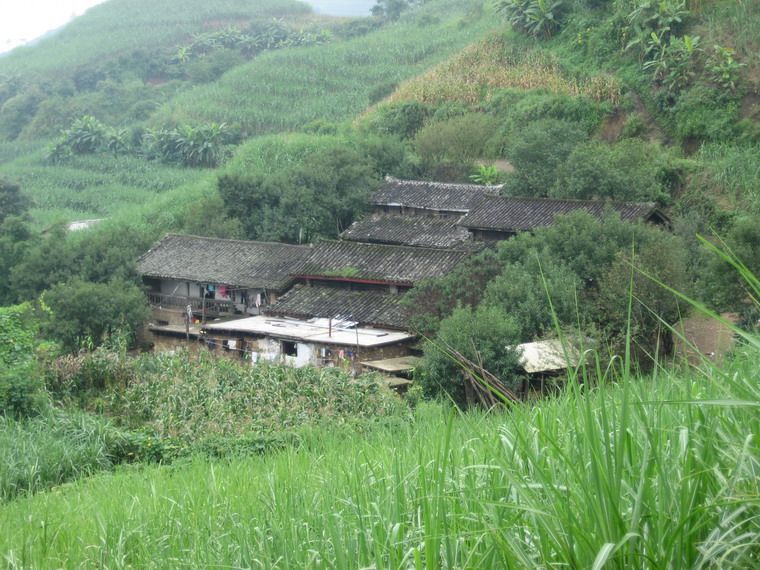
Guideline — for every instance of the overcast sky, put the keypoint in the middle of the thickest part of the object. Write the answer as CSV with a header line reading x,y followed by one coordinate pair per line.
x,y
25,20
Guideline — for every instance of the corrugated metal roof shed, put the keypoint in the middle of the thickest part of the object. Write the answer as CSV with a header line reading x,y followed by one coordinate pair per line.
x,y
547,356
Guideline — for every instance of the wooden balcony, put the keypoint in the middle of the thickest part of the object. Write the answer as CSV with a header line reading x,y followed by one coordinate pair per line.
x,y
214,307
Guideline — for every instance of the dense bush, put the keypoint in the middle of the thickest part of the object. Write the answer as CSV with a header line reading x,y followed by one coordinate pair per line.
x,y
629,171
91,312
12,201
317,189
537,152
21,389
481,335
453,144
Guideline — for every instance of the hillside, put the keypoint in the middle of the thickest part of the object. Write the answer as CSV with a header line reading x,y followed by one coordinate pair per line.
x,y
134,81
269,121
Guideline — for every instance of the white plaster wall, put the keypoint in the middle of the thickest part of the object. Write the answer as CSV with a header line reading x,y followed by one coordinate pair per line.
x,y
305,356
269,350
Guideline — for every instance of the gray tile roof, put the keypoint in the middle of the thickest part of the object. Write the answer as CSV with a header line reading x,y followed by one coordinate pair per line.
x,y
375,308
346,260
231,262
419,231
522,214
430,195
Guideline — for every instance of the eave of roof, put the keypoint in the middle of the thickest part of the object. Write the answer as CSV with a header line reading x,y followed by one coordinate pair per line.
x,y
237,263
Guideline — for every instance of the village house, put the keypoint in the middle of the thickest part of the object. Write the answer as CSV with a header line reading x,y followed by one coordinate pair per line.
x,y
417,231
422,198
210,277
435,214
494,218
346,309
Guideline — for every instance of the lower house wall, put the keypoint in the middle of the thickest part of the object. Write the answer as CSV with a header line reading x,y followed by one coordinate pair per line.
x,y
170,343
168,316
270,349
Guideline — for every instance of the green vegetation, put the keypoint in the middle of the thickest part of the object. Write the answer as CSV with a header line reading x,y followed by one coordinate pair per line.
x,y
299,188
21,389
274,467
636,473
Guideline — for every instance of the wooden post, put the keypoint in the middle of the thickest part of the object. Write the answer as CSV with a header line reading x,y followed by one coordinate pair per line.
x,y
203,307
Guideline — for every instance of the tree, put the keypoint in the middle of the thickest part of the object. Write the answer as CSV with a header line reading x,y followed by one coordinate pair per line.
x,y
92,311
15,238
429,302
636,272
21,390
392,9
726,288
538,151
12,201
535,291
631,170
481,335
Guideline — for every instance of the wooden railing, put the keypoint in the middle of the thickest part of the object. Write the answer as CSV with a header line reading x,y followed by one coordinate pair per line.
x,y
213,306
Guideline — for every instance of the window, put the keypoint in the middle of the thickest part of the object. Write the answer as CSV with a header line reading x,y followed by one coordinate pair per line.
x,y
289,348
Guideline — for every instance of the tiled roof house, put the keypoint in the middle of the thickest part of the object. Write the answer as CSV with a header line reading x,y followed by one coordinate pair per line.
x,y
496,218
232,275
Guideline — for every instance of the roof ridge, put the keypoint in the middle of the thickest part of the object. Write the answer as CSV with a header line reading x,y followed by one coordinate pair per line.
x,y
392,179
243,241
393,246
572,200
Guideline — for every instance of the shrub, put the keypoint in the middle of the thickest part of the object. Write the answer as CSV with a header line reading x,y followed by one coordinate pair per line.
x,y
94,311
481,335
537,152
538,18
400,119
457,142
631,170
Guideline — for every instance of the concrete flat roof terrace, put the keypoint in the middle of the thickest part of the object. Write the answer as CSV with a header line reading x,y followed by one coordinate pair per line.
x,y
318,331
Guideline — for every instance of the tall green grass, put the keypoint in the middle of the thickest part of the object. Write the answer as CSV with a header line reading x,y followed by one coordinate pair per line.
x,y
732,172
652,473
54,448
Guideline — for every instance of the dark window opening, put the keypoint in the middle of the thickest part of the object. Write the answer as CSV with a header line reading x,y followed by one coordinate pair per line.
x,y
289,348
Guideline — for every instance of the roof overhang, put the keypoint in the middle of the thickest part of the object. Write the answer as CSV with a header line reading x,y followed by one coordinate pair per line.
x,y
315,331
353,280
